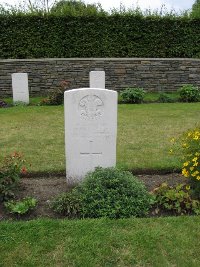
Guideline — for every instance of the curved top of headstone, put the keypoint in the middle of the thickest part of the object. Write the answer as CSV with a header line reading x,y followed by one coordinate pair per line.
x,y
86,88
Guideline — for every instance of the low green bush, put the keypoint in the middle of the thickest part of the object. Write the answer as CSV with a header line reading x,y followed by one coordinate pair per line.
x,y
175,199
189,93
21,207
10,171
164,98
133,95
108,193
68,204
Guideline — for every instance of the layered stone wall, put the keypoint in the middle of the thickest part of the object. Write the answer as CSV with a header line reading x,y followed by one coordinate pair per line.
x,y
152,74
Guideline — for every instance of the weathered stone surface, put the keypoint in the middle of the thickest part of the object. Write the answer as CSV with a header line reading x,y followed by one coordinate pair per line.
x,y
47,74
97,79
20,87
90,130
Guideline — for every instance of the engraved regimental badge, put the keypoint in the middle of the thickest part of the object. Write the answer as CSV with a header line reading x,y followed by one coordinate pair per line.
x,y
91,107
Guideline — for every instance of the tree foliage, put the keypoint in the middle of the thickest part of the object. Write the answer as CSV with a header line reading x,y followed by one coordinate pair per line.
x,y
195,13
62,7
76,8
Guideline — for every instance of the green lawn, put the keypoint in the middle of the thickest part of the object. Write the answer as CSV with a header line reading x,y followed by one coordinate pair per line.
x,y
132,242
143,143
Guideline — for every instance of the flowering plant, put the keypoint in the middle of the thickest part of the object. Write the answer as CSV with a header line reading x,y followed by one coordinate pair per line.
x,y
191,147
190,144
57,96
12,168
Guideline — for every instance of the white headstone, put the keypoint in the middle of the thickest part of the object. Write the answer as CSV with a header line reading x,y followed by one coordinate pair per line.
x,y
20,87
97,79
90,130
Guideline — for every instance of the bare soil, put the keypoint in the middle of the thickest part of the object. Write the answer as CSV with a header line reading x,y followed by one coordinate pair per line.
x,y
44,189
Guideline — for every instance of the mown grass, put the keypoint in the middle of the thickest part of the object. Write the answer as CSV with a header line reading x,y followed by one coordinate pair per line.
x,y
33,100
132,242
144,133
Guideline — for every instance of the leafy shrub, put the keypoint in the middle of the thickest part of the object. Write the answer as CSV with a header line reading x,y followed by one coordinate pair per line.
x,y
175,199
165,98
21,207
133,95
68,204
189,93
105,192
57,96
113,193
10,175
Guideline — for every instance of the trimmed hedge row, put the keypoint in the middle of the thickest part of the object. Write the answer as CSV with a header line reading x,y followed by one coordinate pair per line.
x,y
113,36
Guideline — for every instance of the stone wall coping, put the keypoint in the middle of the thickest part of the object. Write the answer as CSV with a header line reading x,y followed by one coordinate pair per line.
x,y
97,59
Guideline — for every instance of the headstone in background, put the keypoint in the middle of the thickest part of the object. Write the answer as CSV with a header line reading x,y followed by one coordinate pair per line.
x,y
97,79
90,130
20,87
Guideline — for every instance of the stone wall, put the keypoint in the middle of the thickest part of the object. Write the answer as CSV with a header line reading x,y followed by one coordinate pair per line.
x,y
152,74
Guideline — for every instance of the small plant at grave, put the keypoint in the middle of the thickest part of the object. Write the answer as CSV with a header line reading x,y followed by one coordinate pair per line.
x,y
68,204
21,207
189,148
3,104
175,199
10,171
20,104
57,96
189,93
132,95
108,193
164,98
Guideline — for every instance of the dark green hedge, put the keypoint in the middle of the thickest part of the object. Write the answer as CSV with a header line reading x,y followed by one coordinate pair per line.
x,y
112,36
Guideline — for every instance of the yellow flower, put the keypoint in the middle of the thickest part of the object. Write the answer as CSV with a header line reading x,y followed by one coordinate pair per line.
x,y
172,140
195,159
191,169
198,177
195,164
185,172
187,187
171,151
195,173
185,164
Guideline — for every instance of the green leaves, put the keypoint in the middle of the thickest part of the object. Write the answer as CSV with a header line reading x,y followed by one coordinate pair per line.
x,y
133,95
10,171
105,192
37,36
175,199
21,207
189,93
